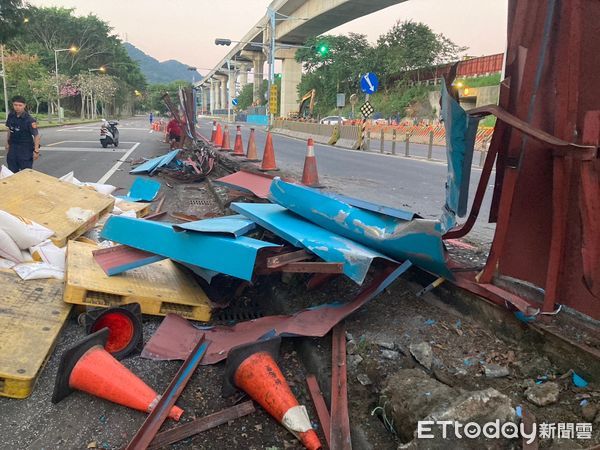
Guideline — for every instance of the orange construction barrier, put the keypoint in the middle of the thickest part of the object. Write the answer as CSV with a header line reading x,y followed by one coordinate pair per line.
x,y
214,132
252,368
268,160
226,147
238,147
310,176
219,136
90,368
251,153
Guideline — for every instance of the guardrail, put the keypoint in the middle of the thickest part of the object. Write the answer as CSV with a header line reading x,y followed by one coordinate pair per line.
x,y
388,137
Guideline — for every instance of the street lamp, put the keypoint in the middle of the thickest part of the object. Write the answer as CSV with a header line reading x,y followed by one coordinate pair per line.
x,y
100,69
71,49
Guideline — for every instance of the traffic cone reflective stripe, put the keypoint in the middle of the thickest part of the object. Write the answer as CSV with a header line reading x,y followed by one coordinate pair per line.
x,y
90,368
268,161
251,153
310,176
238,148
219,136
214,132
255,372
226,147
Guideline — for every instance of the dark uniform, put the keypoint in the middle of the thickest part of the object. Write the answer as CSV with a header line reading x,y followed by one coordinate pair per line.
x,y
22,130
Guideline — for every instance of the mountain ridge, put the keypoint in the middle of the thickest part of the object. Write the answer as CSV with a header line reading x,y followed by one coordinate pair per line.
x,y
160,72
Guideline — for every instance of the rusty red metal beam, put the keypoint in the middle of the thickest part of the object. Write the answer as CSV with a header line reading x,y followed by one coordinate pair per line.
x,y
199,425
313,267
322,412
157,416
120,258
281,260
340,419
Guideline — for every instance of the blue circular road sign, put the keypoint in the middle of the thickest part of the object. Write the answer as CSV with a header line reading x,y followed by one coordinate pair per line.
x,y
234,101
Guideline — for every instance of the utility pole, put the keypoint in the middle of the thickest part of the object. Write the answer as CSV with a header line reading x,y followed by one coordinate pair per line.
x,y
4,79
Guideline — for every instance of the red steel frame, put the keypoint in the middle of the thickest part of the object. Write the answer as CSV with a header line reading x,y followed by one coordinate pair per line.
x,y
547,195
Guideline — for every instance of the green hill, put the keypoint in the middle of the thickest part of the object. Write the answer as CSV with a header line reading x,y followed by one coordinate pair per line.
x,y
160,72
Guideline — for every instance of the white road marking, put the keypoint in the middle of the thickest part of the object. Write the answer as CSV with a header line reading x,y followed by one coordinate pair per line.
x,y
114,168
54,143
84,149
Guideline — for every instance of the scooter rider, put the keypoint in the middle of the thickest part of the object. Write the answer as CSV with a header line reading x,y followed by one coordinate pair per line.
x,y
22,139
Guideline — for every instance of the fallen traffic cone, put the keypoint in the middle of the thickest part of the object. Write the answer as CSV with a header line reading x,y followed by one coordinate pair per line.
x,y
251,153
238,148
226,147
214,132
252,368
310,177
90,368
124,324
219,136
268,161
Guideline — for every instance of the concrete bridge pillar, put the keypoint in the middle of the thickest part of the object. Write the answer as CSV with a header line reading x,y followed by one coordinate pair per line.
x,y
259,62
213,97
223,91
290,79
243,76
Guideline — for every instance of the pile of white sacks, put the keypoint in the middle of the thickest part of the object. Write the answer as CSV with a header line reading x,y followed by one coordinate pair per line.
x,y
25,246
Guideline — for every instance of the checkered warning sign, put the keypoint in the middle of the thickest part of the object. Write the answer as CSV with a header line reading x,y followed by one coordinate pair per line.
x,y
367,109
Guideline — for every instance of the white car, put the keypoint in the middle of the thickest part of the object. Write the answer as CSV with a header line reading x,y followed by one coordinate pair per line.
x,y
333,120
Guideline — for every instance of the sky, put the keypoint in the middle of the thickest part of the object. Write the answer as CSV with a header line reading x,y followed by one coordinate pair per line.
x,y
185,30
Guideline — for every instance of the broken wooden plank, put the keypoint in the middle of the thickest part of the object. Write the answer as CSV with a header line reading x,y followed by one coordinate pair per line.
x,y
340,419
203,424
322,413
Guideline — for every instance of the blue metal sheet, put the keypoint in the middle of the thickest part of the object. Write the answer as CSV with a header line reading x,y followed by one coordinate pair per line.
x,y
237,225
221,254
142,190
418,241
461,131
151,165
368,206
332,247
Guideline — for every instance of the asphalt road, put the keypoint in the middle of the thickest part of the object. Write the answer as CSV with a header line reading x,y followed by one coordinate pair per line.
x,y
410,183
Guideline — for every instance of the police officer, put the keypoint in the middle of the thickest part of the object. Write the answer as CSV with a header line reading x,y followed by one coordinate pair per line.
x,y
22,139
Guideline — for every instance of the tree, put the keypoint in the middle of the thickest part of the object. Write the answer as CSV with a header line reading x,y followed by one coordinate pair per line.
x,y
11,19
20,69
333,64
411,45
245,96
50,29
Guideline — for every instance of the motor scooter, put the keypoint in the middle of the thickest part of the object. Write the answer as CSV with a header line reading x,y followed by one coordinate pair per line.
x,y
109,134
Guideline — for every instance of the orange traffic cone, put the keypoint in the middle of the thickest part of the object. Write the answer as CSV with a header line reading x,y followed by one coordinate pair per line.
x,y
238,148
268,161
310,176
226,147
90,368
219,136
214,132
251,153
252,368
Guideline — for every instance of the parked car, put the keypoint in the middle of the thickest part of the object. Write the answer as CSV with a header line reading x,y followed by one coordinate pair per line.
x,y
333,120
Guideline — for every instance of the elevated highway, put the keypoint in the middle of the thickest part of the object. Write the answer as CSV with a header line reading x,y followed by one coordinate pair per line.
x,y
295,21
